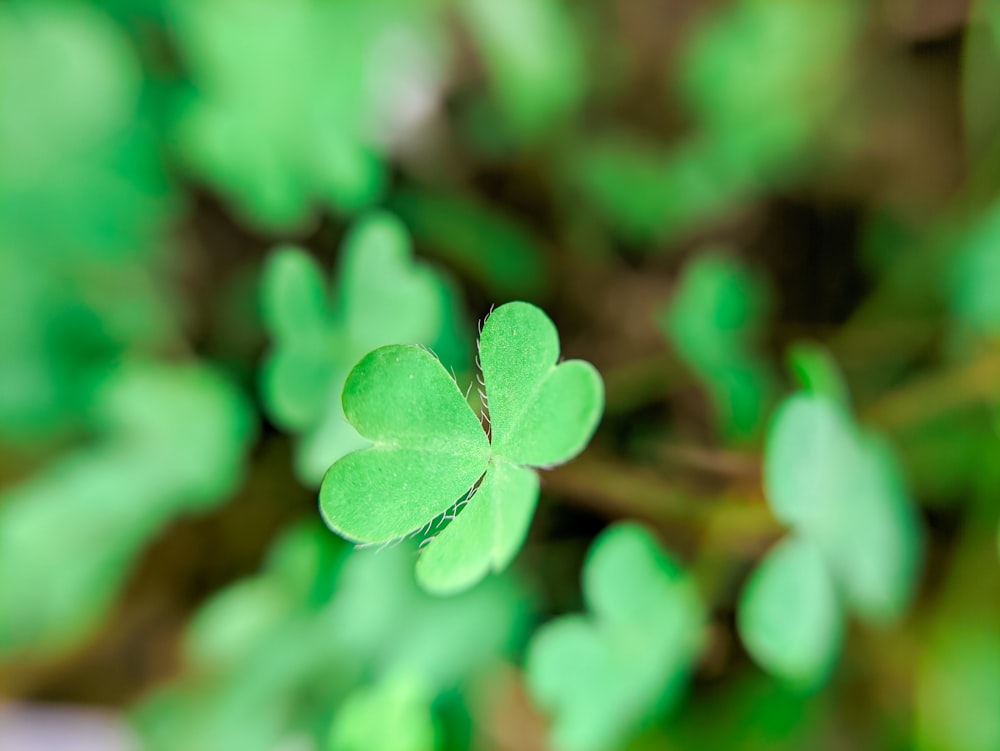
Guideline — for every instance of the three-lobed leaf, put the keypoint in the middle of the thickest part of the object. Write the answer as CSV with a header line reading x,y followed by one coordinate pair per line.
x,y
600,676
842,488
381,296
857,544
430,450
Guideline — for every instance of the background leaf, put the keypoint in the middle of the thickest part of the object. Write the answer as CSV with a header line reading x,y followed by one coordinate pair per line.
x,y
600,678
790,618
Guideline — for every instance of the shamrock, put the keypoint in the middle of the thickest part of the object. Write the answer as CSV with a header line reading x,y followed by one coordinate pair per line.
x,y
282,120
600,677
381,295
856,546
430,453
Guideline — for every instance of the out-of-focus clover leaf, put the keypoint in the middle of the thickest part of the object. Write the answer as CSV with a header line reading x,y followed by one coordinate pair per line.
x,y
645,191
841,487
500,253
381,296
430,449
841,490
174,440
297,102
394,714
81,175
761,116
534,57
602,676
790,619
82,199
713,321
315,647
753,125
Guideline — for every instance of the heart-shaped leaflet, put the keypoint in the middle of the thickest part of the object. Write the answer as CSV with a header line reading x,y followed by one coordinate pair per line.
x,y
430,450
600,675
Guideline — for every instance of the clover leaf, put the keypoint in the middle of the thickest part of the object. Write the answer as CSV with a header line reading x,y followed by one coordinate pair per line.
x,y
802,649
271,656
713,322
430,453
172,439
857,546
601,676
282,121
381,296
534,58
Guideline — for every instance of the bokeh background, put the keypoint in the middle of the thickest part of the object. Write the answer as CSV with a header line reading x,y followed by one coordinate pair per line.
x,y
211,209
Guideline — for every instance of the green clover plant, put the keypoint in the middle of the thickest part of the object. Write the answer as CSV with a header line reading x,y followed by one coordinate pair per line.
x,y
302,650
714,321
535,60
601,676
381,296
173,440
430,456
286,119
856,547
83,201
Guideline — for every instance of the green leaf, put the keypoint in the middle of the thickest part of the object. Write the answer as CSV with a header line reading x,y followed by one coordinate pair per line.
x,y
800,643
842,489
173,440
876,551
293,295
713,321
429,447
378,279
382,296
353,636
600,677
284,119
810,440
394,714
534,57
763,115
487,533
225,632
478,238
541,413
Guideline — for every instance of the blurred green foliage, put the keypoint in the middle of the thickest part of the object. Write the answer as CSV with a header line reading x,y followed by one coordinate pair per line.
x,y
604,676
714,321
172,440
211,213
294,103
304,650
381,297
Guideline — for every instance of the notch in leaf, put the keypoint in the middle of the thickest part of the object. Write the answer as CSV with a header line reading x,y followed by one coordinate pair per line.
x,y
430,457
